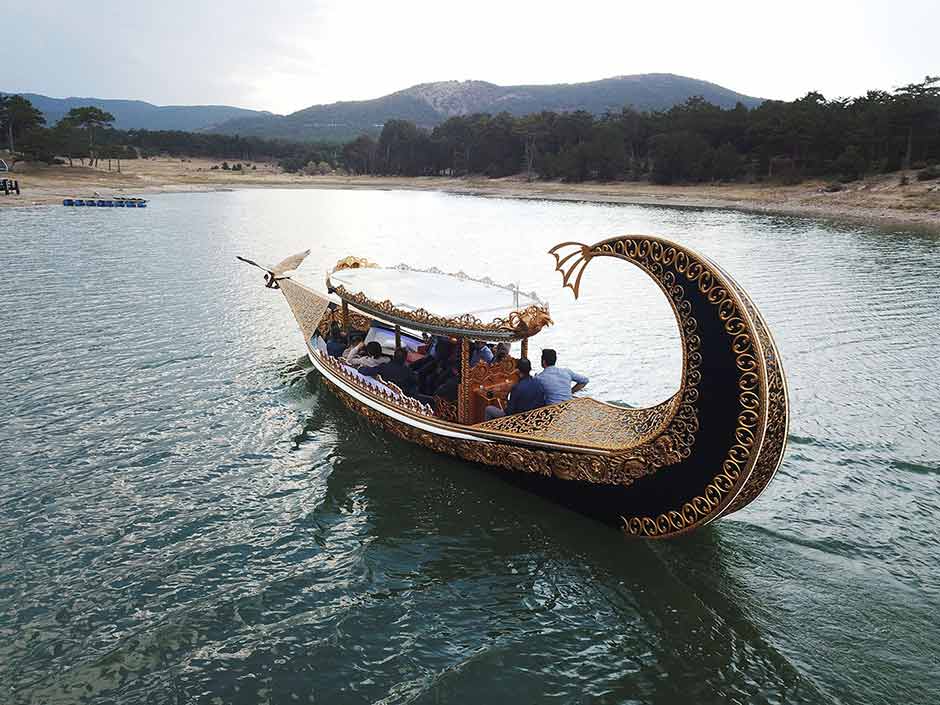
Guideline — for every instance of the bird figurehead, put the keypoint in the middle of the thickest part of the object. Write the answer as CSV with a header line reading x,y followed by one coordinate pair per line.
x,y
274,274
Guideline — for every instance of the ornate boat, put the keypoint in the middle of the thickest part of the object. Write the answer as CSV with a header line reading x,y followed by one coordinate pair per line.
x,y
706,452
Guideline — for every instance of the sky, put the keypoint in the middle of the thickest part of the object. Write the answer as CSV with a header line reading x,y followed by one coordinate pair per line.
x,y
284,56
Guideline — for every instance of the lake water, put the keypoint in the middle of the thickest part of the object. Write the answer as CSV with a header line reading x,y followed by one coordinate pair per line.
x,y
186,517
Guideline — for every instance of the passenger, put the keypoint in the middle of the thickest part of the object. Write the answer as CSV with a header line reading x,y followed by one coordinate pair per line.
x,y
450,382
431,356
557,380
436,370
355,343
336,343
397,372
502,353
480,351
526,394
370,356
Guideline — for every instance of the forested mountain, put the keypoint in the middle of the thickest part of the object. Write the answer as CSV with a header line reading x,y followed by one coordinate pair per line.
x,y
137,114
429,104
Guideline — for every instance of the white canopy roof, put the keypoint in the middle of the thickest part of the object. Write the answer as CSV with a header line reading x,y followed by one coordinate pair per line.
x,y
445,296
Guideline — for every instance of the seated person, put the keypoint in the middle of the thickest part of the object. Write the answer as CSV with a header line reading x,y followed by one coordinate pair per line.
x,y
449,382
336,343
355,340
502,353
365,355
557,381
396,372
526,394
433,368
435,348
480,351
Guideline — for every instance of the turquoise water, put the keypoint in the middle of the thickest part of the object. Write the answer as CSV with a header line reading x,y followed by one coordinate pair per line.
x,y
187,517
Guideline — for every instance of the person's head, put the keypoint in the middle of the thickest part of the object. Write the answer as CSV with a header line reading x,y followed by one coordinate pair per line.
x,y
549,357
502,352
335,333
373,349
355,338
444,347
524,367
400,356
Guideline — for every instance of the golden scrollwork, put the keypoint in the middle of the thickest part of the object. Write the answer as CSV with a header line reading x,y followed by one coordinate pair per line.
x,y
353,263
683,423
775,438
357,321
445,410
586,422
309,308
518,324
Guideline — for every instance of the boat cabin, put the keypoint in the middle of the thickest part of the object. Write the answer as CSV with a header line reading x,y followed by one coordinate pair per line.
x,y
461,336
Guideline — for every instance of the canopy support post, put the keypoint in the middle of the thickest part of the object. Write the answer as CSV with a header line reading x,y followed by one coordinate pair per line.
x,y
463,389
525,348
397,337
346,320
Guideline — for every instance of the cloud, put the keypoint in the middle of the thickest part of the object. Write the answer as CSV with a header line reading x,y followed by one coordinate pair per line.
x,y
286,55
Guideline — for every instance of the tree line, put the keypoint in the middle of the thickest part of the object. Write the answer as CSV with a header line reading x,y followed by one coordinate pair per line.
x,y
86,133
693,142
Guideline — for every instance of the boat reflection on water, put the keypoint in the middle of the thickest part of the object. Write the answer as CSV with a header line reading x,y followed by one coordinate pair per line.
x,y
421,532
707,451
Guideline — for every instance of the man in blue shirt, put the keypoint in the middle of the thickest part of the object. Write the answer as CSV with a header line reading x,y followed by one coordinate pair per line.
x,y
557,381
480,351
527,394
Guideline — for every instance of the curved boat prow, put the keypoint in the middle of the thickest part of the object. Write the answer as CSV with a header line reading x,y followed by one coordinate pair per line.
x,y
730,428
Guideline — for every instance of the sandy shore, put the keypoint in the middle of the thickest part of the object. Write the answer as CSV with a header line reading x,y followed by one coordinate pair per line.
x,y
880,199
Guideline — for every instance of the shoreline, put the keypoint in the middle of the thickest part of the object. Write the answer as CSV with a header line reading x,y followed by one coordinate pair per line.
x,y
877,200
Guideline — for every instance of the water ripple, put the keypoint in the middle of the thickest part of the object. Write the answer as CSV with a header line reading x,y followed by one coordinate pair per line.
x,y
186,515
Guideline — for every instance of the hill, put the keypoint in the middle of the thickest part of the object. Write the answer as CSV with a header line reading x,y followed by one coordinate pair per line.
x,y
137,114
429,104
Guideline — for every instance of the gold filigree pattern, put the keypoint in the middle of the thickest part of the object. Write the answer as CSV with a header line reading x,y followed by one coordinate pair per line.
x,y
445,410
587,423
771,451
307,305
518,324
684,423
353,263
357,321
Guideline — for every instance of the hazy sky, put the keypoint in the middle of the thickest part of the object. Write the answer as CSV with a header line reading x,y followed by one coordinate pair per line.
x,y
283,56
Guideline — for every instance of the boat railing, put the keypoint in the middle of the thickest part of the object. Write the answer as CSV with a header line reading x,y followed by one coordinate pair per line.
x,y
386,391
